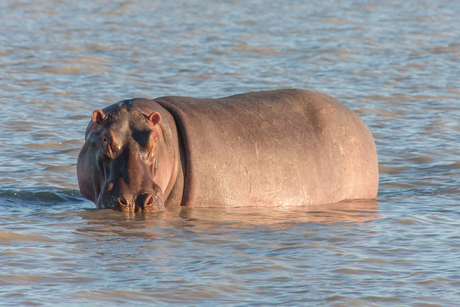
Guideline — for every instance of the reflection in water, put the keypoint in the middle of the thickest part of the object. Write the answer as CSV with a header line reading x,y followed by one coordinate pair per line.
x,y
188,254
354,211
7,237
204,219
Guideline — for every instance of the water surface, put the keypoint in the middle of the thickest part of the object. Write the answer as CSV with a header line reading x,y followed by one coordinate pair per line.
x,y
395,64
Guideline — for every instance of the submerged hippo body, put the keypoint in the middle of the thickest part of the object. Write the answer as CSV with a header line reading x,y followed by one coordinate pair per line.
x,y
274,148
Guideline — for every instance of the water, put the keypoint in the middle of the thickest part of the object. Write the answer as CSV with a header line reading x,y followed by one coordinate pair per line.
x,y
396,64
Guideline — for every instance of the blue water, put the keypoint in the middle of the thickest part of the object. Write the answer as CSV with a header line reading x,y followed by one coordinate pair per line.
x,y
394,63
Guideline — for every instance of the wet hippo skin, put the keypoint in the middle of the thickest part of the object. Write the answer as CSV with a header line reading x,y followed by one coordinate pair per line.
x,y
274,148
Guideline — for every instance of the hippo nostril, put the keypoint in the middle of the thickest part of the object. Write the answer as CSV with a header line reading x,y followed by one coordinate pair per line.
x,y
151,202
122,200
148,201
147,205
124,205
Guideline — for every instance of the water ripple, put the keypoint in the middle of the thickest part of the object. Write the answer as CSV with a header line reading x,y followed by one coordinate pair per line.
x,y
394,63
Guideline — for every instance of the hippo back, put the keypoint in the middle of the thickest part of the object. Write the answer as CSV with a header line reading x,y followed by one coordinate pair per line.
x,y
273,148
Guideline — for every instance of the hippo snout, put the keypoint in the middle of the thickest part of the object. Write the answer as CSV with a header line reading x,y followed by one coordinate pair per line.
x,y
149,201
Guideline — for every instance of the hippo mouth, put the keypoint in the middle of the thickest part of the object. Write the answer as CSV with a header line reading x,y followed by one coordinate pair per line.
x,y
149,201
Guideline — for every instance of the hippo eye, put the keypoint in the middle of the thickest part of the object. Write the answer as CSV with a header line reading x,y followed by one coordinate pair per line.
x,y
106,145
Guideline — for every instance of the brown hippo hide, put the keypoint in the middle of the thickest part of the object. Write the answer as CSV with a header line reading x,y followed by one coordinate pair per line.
x,y
274,148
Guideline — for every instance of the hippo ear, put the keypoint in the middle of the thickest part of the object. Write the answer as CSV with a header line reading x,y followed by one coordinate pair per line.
x,y
155,118
98,117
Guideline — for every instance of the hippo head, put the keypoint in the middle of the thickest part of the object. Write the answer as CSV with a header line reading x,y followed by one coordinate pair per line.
x,y
117,166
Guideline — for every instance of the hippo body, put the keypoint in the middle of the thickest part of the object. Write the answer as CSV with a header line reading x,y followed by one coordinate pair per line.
x,y
273,148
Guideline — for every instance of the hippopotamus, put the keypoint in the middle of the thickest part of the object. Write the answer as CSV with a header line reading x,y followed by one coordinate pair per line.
x,y
287,147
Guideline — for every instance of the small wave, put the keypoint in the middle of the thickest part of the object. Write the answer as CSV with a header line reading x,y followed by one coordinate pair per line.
x,y
45,196
7,236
